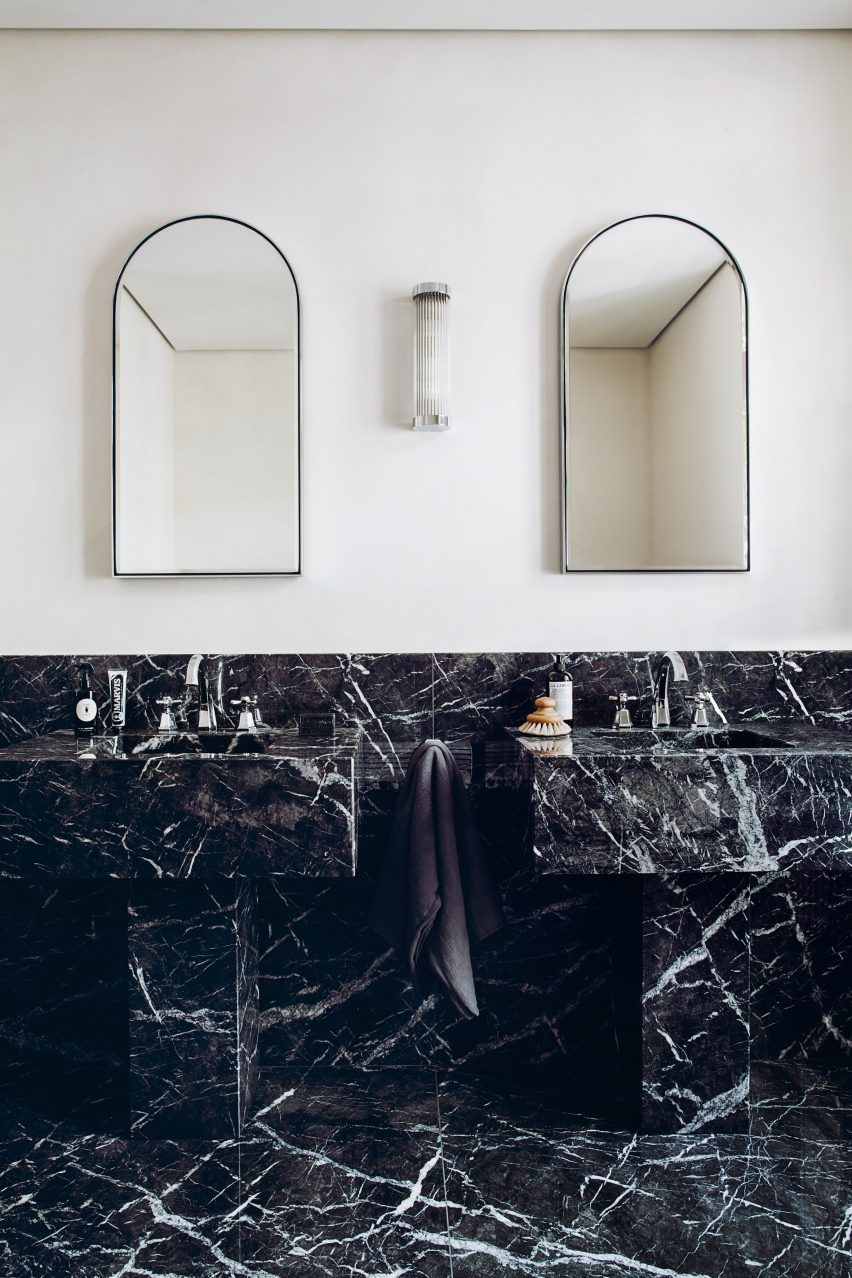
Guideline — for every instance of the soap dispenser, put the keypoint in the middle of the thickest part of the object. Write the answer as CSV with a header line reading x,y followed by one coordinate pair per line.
x,y
560,686
85,706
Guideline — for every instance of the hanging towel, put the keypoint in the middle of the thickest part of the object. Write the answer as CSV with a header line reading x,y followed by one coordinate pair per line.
x,y
435,895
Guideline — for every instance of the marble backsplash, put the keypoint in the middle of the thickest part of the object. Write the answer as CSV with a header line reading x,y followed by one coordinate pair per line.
x,y
409,696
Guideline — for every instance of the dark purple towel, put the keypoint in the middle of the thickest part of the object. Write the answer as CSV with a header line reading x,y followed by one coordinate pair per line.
x,y
435,895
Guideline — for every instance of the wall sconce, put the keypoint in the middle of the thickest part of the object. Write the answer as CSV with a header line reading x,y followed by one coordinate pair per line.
x,y
431,357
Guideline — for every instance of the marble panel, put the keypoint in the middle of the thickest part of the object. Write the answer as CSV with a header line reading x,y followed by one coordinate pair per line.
x,y
63,1002
695,1003
183,1009
802,962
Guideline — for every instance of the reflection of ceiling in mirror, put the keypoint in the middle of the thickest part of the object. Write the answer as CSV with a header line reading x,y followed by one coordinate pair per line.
x,y
630,282
211,284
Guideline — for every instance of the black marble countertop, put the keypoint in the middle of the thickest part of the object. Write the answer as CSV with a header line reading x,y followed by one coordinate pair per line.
x,y
96,809
646,801
139,747
760,738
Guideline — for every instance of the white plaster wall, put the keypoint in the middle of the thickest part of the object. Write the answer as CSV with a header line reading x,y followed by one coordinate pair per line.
x,y
698,449
609,457
376,161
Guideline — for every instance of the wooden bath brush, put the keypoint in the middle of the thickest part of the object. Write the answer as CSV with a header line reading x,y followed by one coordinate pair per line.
x,y
545,720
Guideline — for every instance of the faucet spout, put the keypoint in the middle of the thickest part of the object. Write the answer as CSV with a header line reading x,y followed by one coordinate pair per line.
x,y
192,668
204,691
677,665
671,667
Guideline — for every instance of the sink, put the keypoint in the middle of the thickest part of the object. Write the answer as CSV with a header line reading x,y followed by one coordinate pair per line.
x,y
203,745
174,744
681,739
735,739
181,804
657,741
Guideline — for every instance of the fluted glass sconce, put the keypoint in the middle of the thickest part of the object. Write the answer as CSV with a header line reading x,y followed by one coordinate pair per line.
x,y
431,356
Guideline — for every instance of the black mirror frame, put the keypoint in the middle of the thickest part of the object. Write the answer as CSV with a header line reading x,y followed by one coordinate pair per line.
x,y
563,366
183,576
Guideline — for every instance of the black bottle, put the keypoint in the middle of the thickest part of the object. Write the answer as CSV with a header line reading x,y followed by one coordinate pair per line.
x,y
560,686
85,706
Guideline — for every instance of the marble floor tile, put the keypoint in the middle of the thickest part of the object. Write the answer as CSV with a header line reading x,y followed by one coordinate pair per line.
x,y
99,1207
534,1189
610,1206
475,1103
342,1175
375,1207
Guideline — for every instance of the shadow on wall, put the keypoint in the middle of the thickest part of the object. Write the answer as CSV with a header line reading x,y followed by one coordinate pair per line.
x,y
397,360
96,481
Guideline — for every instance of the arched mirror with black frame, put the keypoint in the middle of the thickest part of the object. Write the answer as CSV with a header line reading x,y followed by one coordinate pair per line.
x,y
655,402
206,405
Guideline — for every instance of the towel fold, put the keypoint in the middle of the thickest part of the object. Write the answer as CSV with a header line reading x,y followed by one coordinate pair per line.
x,y
434,895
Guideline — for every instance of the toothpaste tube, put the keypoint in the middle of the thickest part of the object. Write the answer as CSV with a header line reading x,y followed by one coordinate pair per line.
x,y
117,697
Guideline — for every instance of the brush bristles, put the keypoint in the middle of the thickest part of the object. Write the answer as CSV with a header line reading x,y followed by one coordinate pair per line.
x,y
545,729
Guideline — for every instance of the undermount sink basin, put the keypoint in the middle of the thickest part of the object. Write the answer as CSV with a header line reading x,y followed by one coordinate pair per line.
x,y
180,743
721,738
735,739
182,804
171,745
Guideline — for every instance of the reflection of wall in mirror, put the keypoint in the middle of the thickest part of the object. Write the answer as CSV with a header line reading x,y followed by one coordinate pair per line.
x,y
145,454
698,446
235,461
656,442
610,458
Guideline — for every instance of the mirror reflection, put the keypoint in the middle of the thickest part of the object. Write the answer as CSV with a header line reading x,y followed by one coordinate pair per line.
x,y
206,405
655,402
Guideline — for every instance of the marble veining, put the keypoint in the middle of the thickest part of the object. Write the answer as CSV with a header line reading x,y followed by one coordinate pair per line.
x,y
395,697
423,1174
695,1003
611,807
150,816
209,1066
184,1033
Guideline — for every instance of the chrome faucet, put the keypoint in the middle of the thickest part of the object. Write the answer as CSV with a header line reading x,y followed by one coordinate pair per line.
x,y
671,667
247,707
204,690
622,713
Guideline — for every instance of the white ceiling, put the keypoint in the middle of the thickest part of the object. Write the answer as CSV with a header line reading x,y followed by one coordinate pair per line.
x,y
630,282
476,15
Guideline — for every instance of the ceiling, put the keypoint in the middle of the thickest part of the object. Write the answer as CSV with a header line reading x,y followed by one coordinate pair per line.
x,y
210,284
459,15
630,282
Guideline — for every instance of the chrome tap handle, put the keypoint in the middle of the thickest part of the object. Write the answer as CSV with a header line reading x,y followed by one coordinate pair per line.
x,y
622,714
256,711
246,709
167,718
699,714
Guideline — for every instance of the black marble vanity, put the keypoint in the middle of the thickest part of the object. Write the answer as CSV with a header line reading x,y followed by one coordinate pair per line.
x,y
209,1065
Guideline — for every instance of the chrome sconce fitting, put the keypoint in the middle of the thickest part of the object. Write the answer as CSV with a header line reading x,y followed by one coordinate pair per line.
x,y
431,357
